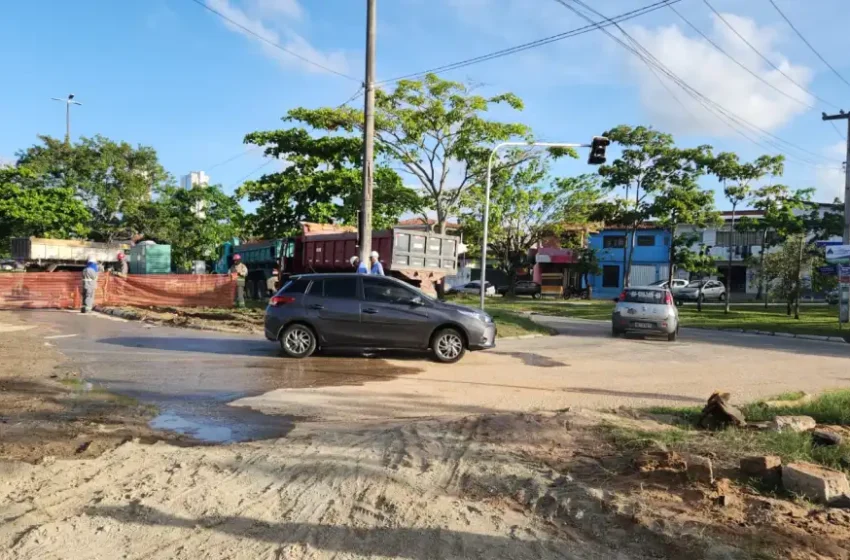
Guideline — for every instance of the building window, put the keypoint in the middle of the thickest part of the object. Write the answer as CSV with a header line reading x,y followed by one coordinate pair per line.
x,y
738,238
610,276
614,242
646,241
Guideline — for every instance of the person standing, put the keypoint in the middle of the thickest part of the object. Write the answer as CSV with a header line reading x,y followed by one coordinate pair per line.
x,y
240,272
359,266
271,283
123,266
376,268
89,284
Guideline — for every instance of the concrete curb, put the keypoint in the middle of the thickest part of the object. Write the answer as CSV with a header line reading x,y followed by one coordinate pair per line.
x,y
819,338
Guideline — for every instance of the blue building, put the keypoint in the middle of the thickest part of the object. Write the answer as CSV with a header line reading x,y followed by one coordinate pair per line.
x,y
650,262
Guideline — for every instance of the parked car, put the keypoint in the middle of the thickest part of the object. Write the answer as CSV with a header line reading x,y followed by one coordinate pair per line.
x,y
711,290
648,310
833,296
315,311
522,288
678,284
474,288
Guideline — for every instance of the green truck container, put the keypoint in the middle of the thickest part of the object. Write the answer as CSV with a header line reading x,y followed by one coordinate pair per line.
x,y
150,259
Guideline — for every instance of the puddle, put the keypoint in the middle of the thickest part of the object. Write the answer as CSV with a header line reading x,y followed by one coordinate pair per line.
x,y
332,370
535,360
173,423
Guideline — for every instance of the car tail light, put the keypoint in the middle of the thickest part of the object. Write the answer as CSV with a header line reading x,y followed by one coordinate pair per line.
x,y
276,301
622,296
668,298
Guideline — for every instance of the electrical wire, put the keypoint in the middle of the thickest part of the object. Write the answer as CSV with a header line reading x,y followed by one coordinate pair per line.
x,y
243,179
290,52
808,44
837,131
733,59
755,50
734,122
534,44
232,158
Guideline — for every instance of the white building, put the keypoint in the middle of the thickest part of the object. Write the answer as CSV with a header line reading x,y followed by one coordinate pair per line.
x,y
744,245
194,179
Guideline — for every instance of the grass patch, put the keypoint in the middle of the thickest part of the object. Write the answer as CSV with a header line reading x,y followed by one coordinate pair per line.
x,y
511,324
815,319
832,407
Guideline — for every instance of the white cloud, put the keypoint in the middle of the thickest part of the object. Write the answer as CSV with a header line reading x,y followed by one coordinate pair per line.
x,y
270,19
718,78
830,180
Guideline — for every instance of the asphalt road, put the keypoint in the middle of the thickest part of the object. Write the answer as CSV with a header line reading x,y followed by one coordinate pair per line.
x,y
224,387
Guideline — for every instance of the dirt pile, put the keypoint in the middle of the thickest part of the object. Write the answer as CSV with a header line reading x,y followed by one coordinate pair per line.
x,y
223,320
494,486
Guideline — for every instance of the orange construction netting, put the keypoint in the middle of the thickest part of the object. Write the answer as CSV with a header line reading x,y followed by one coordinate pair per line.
x,y
64,290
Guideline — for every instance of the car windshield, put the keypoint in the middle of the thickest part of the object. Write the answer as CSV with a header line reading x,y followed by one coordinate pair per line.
x,y
644,296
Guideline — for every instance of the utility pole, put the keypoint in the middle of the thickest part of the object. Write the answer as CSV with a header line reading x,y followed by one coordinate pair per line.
x,y
68,102
368,135
846,117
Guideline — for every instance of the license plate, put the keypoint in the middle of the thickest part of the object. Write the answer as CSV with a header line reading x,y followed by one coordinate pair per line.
x,y
644,325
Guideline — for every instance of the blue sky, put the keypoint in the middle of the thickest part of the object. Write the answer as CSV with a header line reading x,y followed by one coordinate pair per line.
x,y
169,74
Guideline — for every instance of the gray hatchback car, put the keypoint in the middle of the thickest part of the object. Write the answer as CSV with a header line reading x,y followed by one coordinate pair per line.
x,y
371,312
647,310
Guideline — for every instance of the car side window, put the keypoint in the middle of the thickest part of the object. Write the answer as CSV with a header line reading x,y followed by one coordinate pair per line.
x,y
381,291
339,288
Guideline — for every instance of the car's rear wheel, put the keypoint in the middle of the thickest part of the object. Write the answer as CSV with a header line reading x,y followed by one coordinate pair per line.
x,y
673,335
448,346
615,332
298,341
723,296
535,295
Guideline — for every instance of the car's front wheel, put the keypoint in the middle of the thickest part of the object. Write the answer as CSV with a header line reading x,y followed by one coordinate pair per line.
x,y
535,295
298,341
723,296
448,346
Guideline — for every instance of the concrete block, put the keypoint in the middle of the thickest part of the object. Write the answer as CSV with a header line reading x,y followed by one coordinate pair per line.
x,y
762,466
816,483
794,423
699,468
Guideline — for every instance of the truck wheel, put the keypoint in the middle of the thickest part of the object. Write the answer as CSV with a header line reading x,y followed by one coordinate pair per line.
x,y
298,341
448,346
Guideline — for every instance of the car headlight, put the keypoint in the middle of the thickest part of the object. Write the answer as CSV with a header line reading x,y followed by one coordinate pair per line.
x,y
483,317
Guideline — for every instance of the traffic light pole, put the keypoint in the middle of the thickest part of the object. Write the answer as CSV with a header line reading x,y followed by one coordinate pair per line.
x,y
845,116
484,239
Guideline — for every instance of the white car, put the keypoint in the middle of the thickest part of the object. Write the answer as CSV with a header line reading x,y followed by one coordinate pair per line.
x,y
647,310
474,288
678,283
711,290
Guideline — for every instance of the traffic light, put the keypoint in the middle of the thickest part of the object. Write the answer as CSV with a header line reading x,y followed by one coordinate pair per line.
x,y
597,150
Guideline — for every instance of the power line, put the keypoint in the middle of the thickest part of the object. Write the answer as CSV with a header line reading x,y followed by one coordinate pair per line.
x,y
243,179
537,43
763,57
800,35
354,96
731,120
733,59
272,43
837,131
232,158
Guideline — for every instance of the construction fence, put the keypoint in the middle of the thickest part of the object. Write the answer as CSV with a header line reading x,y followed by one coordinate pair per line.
x,y
63,290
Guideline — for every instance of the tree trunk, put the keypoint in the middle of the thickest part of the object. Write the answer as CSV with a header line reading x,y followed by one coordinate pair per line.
x,y
763,279
729,266
799,289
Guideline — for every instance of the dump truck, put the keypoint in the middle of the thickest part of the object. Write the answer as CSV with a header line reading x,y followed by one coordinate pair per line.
x,y
37,254
422,259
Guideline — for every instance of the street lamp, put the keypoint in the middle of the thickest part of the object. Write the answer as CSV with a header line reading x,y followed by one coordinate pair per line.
x,y
68,102
597,156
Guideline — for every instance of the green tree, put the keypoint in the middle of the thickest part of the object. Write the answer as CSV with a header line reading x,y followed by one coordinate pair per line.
x,y
113,179
588,265
38,211
195,222
432,129
700,263
320,183
682,204
648,163
737,179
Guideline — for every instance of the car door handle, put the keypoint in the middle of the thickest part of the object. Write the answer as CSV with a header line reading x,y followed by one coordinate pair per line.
x,y
317,306
370,310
